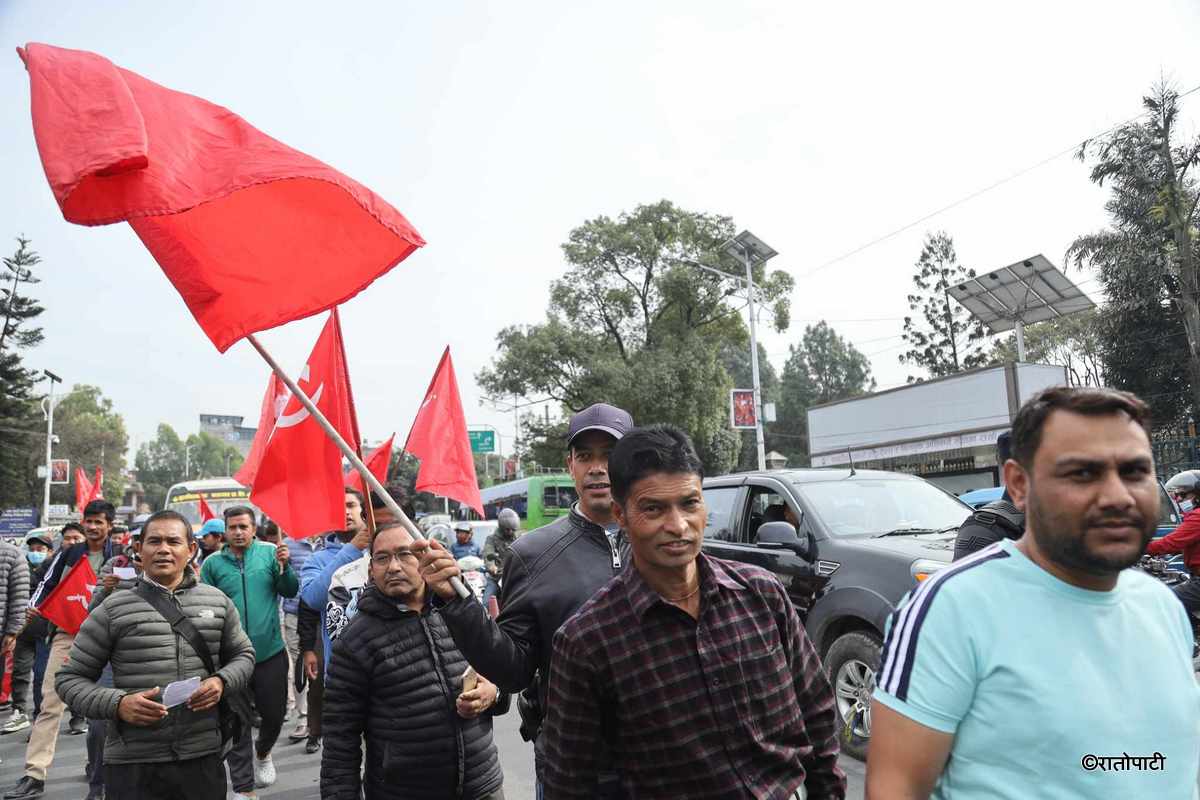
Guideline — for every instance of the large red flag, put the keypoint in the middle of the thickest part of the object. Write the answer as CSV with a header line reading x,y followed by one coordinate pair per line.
x,y
84,490
272,406
206,513
377,461
246,228
67,605
299,482
439,438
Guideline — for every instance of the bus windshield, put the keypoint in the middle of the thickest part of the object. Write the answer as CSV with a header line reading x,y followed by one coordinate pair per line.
x,y
220,495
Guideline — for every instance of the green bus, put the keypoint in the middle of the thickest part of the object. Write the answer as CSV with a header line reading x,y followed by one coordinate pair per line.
x,y
538,500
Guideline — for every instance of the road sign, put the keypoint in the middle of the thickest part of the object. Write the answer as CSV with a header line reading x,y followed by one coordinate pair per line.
x,y
482,441
17,521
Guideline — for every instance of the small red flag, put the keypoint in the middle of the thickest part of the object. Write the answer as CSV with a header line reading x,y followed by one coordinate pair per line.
x,y
67,605
206,513
97,485
83,489
439,438
377,461
299,483
272,406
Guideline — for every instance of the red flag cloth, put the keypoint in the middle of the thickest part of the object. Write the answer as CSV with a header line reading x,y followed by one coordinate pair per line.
x,y
67,605
97,485
246,228
272,406
377,461
206,513
299,482
439,438
83,489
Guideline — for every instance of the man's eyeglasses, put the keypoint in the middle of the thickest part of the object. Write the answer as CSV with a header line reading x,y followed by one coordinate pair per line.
x,y
385,559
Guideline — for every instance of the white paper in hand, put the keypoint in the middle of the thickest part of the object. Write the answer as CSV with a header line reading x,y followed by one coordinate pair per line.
x,y
125,573
179,691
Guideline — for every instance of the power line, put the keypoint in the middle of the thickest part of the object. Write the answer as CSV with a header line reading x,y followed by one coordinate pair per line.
x,y
977,193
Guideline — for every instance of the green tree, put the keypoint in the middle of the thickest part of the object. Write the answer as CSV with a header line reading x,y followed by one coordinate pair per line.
x,y
90,433
21,425
1075,342
159,464
1147,259
634,323
210,457
822,368
941,341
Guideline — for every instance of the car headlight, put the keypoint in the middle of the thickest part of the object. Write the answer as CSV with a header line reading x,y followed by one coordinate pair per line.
x,y
922,568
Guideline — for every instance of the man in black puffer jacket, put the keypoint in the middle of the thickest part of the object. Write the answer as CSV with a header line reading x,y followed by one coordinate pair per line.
x,y
396,679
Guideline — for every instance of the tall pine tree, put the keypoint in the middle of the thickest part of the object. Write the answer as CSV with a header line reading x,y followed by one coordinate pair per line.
x,y
19,421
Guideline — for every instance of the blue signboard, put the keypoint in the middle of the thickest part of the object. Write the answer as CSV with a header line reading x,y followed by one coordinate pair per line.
x,y
17,521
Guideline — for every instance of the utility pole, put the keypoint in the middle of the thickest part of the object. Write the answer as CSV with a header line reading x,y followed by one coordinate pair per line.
x,y
49,440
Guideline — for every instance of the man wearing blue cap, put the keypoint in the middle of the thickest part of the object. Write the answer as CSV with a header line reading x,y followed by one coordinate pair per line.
x,y
549,574
210,537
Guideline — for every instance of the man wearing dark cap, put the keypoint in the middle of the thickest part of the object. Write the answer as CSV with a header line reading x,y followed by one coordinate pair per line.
x,y
549,574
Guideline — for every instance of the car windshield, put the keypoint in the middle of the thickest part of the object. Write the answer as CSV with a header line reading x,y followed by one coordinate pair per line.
x,y
882,505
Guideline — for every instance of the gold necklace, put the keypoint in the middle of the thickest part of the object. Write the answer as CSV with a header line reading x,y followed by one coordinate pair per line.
x,y
690,594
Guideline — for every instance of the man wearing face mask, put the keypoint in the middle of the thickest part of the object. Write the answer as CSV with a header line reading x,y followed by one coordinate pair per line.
x,y
1185,488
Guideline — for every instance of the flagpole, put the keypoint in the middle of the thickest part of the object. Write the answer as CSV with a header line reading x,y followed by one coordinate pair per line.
x,y
368,477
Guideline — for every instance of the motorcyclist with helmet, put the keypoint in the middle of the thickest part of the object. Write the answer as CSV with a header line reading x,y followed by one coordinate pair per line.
x,y
495,550
1185,539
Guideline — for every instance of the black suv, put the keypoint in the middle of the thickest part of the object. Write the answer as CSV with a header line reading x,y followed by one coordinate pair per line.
x,y
847,545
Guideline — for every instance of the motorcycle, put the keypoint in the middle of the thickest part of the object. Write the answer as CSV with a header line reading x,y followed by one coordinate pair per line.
x,y
474,575
1165,570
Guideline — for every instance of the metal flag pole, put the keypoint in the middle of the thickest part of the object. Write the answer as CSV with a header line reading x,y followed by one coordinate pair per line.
x,y
368,477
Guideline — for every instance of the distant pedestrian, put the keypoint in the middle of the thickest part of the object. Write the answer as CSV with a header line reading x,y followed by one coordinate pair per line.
x,y
396,681
212,536
463,546
299,551
254,575
694,674
495,550
156,753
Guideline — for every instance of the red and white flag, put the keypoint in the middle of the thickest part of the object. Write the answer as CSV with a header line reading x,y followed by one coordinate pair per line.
x,y
299,482
67,605
272,406
439,438
377,461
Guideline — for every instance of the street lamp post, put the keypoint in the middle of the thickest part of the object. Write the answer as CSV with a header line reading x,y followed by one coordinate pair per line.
x,y
750,250
49,439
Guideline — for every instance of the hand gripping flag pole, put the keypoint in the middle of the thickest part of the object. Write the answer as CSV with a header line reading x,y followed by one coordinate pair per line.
x,y
350,454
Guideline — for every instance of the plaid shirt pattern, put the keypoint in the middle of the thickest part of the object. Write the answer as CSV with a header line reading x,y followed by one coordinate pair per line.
x,y
732,705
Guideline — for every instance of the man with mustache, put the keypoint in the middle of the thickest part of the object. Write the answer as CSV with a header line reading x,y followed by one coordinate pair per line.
x,y
549,574
692,673
1038,668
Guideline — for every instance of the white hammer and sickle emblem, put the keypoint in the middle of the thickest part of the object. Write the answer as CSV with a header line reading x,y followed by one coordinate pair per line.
x,y
301,414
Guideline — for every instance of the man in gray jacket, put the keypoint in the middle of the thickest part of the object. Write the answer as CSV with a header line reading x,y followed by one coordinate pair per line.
x,y
14,596
154,751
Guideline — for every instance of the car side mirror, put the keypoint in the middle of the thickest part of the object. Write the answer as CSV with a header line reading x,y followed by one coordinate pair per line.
x,y
776,535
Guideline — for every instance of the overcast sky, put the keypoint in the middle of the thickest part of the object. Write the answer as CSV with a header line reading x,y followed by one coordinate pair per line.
x,y
496,128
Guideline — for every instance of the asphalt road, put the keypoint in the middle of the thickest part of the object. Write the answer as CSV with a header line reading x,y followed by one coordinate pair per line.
x,y
299,773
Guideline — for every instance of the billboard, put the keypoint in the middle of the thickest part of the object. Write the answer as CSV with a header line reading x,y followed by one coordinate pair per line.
x,y
742,414
17,521
60,470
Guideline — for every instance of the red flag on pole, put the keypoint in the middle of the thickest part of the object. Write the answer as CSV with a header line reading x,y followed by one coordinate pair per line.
x,y
272,406
377,461
67,605
206,513
97,485
439,438
299,483
83,489
225,209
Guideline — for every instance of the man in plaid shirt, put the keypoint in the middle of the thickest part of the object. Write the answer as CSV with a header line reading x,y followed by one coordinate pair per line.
x,y
693,674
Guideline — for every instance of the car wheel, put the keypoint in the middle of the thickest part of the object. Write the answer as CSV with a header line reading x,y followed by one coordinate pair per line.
x,y
851,664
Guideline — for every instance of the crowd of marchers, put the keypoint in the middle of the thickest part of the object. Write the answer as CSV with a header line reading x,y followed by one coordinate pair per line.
x,y
1038,665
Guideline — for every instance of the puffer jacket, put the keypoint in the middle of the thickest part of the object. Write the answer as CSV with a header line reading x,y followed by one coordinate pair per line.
x,y
14,589
394,680
129,633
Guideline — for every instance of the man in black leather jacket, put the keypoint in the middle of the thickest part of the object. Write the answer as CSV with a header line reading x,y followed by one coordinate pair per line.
x,y
549,574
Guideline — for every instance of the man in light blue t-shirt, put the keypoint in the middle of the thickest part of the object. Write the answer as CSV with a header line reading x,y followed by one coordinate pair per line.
x,y
1043,668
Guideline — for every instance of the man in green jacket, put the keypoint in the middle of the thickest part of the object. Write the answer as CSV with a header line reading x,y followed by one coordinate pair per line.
x,y
255,574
